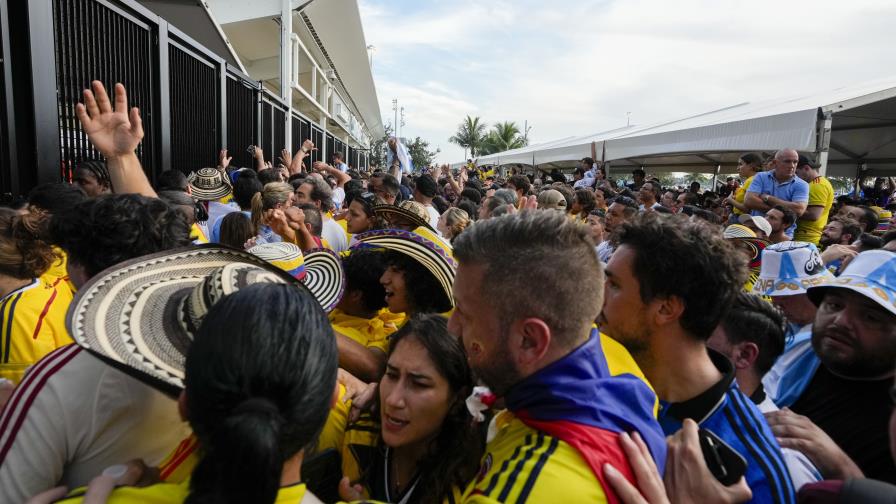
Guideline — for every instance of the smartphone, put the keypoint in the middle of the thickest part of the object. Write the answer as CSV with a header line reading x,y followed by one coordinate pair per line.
x,y
251,150
723,461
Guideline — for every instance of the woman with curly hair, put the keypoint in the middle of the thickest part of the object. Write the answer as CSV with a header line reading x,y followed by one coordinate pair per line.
x,y
583,204
428,446
33,306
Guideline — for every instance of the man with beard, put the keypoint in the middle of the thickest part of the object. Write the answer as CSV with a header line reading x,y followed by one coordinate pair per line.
x,y
837,384
669,283
570,392
840,231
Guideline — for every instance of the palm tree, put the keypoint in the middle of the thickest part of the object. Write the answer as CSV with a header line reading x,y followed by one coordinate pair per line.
x,y
503,136
469,135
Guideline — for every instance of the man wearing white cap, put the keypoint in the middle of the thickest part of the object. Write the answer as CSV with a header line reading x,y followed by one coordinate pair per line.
x,y
788,269
758,224
837,383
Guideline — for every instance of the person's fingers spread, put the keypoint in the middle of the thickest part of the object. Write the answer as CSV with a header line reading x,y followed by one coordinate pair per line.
x,y
121,98
102,98
626,492
81,112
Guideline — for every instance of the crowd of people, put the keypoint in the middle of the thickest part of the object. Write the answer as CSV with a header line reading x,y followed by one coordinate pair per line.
x,y
312,332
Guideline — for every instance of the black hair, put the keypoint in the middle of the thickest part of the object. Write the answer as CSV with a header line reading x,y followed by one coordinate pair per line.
x,y
101,232
363,269
638,171
472,194
427,186
789,216
353,185
869,242
626,202
99,170
268,175
236,230
870,218
752,159
687,259
440,204
259,379
521,183
424,292
245,186
183,202
470,207
888,236
391,185
453,456
172,180
56,197
753,319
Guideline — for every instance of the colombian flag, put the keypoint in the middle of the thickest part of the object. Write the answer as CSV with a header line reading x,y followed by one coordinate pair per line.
x,y
579,400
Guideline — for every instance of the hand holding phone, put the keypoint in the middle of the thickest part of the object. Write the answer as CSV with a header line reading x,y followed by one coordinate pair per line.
x,y
723,461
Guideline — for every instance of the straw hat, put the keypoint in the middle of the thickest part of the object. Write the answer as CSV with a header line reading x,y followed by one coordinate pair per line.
x,y
871,274
209,184
754,246
738,231
319,269
422,245
789,268
413,212
883,221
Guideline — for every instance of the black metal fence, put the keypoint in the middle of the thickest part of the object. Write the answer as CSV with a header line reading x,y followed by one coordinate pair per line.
x,y
192,102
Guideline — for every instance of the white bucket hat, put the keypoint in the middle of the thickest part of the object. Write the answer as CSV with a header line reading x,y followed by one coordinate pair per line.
x,y
871,274
789,268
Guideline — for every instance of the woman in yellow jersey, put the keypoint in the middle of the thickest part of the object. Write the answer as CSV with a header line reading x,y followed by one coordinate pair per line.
x,y
748,165
428,448
32,306
260,377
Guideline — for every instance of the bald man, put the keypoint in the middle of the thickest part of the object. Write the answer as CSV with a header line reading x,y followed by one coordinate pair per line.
x,y
779,186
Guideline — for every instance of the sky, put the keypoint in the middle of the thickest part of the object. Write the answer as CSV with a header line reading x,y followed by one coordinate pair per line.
x,y
580,67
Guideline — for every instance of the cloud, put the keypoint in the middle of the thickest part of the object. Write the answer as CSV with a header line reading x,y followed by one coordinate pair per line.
x,y
574,67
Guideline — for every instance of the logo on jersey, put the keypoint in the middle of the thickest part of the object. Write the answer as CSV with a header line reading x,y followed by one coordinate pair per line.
x,y
484,467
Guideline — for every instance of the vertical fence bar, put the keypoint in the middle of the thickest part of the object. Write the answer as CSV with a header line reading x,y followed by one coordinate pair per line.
x,y
43,82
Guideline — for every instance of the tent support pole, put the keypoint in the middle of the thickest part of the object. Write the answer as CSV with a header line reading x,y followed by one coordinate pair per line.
x,y
860,167
824,143
715,176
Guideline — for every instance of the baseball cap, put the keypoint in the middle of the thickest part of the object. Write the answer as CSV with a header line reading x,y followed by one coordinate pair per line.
x,y
803,160
759,221
551,199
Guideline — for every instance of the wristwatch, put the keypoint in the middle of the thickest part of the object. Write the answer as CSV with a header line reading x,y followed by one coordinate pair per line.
x,y
765,198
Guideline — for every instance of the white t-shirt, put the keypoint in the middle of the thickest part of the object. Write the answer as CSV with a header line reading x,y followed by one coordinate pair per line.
x,y
801,469
434,216
334,234
338,197
72,416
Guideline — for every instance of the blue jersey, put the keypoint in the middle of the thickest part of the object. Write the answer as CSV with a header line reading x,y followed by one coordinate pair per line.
x,y
731,416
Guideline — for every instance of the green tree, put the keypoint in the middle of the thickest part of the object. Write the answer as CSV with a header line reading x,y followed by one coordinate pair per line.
x,y
470,135
502,137
378,149
420,154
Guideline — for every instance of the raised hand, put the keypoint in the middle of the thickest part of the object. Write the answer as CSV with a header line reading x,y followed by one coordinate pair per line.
x,y
285,158
114,131
308,146
223,160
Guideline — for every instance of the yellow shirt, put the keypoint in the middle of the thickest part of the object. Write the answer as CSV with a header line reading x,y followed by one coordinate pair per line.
x,y
821,193
32,324
372,333
524,465
741,192
197,235
170,493
179,464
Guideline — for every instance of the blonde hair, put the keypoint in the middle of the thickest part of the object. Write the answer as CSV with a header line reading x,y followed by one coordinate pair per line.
x,y
456,220
273,194
23,254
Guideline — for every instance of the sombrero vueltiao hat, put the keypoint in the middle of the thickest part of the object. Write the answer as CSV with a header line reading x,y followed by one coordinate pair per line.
x,y
738,231
141,315
319,269
209,184
422,245
412,211
789,268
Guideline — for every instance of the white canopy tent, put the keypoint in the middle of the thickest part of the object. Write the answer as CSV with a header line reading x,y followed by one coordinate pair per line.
x,y
849,131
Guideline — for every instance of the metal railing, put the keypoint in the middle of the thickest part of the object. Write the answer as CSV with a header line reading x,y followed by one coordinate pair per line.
x,y
192,102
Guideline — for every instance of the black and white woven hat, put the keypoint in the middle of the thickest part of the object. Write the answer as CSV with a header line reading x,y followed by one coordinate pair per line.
x,y
209,184
141,315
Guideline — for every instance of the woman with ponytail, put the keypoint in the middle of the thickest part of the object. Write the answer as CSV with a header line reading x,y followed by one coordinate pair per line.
x,y
32,305
453,222
259,381
274,196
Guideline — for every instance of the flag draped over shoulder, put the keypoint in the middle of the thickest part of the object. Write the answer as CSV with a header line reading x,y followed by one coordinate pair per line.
x,y
578,400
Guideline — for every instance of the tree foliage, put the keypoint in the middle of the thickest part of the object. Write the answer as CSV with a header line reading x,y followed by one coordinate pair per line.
x,y
470,134
502,137
420,154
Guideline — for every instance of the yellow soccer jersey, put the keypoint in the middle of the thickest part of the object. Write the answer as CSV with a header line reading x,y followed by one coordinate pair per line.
x,y
741,192
522,464
821,193
179,464
171,493
32,324
372,333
